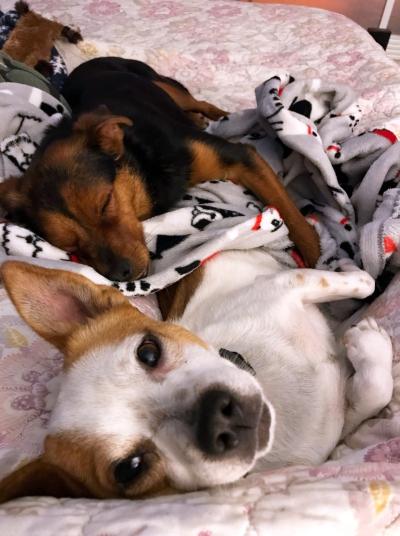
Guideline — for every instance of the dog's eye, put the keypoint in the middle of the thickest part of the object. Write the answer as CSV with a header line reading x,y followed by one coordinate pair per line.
x,y
149,353
128,469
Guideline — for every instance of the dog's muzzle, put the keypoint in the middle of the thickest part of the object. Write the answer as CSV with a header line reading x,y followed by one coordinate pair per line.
x,y
227,424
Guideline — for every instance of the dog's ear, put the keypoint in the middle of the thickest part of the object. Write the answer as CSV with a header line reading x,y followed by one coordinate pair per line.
x,y
55,302
12,198
40,478
105,130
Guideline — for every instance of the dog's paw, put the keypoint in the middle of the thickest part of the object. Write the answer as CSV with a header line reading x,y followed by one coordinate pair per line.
x,y
365,285
370,388
199,120
361,283
367,341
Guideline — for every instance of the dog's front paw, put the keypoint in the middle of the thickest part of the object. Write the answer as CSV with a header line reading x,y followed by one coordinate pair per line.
x,y
367,341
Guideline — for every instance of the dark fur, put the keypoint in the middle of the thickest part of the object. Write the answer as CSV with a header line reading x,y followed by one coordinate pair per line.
x,y
161,144
157,143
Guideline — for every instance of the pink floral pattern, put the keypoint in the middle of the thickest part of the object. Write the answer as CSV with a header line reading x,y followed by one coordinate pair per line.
x,y
161,10
384,452
103,8
220,10
221,49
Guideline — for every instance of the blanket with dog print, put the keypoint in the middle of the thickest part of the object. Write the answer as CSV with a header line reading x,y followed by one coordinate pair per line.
x,y
348,180
25,112
345,182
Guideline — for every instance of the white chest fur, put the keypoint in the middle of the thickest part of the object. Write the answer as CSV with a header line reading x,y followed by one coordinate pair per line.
x,y
243,304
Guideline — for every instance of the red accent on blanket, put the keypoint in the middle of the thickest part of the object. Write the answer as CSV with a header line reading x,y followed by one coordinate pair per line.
x,y
389,244
297,258
257,223
388,134
335,148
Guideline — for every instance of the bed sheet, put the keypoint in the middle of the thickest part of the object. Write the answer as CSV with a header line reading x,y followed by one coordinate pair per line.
x,y
223,49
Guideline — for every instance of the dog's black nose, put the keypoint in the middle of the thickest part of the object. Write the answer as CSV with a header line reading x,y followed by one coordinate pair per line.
x,y
227,424
121,270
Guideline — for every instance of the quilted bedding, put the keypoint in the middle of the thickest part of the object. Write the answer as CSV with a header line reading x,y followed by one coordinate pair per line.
x,y
220,50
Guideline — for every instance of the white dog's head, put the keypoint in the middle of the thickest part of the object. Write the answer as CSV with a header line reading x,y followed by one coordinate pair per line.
x,y
145,407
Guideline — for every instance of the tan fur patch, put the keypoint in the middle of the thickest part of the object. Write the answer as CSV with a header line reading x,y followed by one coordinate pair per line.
x,y
64,151
91,460
174,299
206,164
188,103
32,39
118,323
110,135
324,283
104,129
11,194
38,477
131,190
63,231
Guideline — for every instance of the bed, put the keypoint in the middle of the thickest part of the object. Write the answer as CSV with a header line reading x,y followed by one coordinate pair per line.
x,y
221,50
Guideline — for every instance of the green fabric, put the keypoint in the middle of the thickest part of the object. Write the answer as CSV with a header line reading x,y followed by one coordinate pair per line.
x,y
15,71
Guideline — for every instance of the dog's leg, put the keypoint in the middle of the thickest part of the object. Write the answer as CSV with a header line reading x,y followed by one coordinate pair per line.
x,y
319,286
370,389
241,164
188,103
264,183
198,119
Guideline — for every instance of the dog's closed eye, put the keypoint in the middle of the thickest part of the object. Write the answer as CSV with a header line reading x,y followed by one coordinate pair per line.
x,y
106,203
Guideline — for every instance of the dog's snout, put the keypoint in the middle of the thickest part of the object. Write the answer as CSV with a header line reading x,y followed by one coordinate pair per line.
x,y
227,423
120,267
121,270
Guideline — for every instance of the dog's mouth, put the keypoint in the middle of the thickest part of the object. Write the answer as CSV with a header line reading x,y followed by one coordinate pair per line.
x,y
121,271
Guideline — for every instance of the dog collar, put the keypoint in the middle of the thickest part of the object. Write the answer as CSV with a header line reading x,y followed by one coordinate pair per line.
x,y
237,359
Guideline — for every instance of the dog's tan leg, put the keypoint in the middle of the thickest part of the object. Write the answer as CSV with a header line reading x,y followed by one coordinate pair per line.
x,y
188,103
254,173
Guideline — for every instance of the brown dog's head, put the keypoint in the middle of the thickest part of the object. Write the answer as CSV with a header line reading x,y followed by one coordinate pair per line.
x,y
79,195
144,406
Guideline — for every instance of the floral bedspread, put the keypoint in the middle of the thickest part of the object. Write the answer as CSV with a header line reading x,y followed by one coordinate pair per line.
x,y
221,50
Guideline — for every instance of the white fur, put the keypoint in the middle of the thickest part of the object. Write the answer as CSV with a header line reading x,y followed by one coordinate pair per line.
x,y
247,303
107,394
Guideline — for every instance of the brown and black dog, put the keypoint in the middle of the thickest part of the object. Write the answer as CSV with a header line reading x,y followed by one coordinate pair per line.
x,y
131,149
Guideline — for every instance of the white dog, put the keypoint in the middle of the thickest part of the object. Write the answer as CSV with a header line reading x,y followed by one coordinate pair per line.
x,y
248,376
